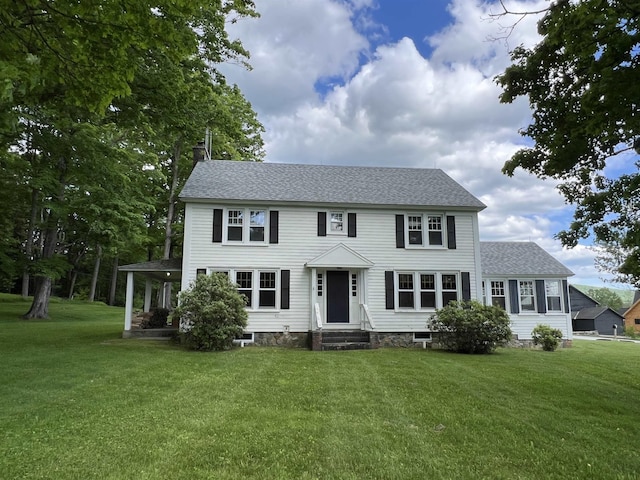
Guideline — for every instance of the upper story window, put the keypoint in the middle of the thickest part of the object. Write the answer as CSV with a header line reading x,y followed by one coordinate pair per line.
x,y
424,230
246,225
336,222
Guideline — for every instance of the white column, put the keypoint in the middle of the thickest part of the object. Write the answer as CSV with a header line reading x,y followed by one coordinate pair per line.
x,y
313,295
147,295
128,307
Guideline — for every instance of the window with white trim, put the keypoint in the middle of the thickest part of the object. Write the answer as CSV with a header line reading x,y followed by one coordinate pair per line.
x,y
256,225
267,292
261,288
336,222
245,286
553,289
498,294
415,230
246,225
405,291
527,295
425,290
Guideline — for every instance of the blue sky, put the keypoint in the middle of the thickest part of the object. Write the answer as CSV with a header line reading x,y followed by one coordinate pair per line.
x,y
403,83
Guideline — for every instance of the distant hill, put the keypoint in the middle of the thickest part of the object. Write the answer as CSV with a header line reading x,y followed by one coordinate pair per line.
x,y
625,295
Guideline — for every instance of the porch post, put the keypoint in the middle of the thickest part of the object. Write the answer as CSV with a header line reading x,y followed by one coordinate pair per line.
x,y
128,307
314,297
147,294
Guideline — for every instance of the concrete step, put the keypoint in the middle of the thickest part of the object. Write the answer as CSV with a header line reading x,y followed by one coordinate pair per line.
x,y
345,337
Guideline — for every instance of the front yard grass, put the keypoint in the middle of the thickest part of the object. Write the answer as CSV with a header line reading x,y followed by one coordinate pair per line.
x,y
79,402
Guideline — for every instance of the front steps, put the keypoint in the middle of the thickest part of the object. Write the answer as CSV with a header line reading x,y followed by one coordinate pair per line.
x,y
342,340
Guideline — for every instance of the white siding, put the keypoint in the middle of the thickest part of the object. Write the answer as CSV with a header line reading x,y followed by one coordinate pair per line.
x,y
299,243
523,324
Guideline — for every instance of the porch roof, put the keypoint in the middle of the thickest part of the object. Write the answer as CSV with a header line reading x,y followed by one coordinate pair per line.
x,y
169,270
340,256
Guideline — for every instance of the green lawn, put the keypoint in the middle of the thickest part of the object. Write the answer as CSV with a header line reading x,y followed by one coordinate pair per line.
x,y
79,402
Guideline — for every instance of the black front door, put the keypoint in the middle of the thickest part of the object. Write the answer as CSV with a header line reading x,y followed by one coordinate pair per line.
x,y
337,296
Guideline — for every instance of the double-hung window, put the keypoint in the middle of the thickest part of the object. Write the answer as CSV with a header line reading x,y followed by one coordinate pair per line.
x,y
553,291
405,290
246,225
336,222
259,287
449,288
256,225
498,294
527,296
425,230
425,291
267,291
245,286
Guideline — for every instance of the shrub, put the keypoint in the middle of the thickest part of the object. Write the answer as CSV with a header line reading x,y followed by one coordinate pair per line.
x,y
211,312
158,319
630,331
470,327
546,336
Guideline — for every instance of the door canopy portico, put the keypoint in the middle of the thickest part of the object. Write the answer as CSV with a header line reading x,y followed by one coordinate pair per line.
x,y
338,257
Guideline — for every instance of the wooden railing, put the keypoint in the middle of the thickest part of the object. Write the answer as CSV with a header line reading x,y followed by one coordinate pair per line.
x,y
367,317
318,316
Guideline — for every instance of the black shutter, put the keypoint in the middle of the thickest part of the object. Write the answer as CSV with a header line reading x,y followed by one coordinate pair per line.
x,y
201,271
399,231
273,226
285,280
217,225
351,230
322,224
466,285
540,297
389,290
451,232
565,292
514,296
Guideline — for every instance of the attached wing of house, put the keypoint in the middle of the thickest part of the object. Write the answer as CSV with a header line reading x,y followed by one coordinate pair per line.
x,y
529,283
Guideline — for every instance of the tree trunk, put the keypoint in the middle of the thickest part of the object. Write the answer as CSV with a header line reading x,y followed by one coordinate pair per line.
x,y
114,281
94,277
168,229
72,283
29,246
40,305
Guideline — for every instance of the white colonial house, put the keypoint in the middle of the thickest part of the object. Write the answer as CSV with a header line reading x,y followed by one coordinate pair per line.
x,y
355,255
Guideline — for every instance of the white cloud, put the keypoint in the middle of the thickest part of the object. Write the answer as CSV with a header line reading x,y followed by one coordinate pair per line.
x,y
394,107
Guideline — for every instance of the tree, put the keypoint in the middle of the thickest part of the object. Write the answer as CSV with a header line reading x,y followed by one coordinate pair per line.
x,y
581,81
62,64
212,313
606,297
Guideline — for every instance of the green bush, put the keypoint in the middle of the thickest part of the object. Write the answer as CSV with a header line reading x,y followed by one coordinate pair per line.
x,y
158,319
546,336
470,327
630,332
211,312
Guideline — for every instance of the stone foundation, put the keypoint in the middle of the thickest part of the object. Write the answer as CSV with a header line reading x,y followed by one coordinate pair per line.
x,y
280,339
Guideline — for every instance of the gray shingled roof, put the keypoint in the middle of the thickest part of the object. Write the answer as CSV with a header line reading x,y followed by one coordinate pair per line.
x,y
518,258
157,269
592,313
325,184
